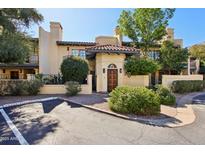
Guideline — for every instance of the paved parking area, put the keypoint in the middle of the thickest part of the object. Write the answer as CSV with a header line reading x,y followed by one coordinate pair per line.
x,y
59,122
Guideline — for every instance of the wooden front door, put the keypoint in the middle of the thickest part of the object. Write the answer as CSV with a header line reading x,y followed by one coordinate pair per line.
x,y
112,79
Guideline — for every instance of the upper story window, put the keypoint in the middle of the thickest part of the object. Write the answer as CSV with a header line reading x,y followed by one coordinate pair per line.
x,y
78,53
153,55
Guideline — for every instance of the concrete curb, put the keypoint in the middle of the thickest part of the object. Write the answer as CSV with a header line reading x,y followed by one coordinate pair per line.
x,y
184,114
153,122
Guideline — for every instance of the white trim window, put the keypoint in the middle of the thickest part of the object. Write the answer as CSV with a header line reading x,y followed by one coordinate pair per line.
x,y
78,53
153,55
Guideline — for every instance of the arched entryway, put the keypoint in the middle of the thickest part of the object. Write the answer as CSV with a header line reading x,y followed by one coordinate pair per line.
x,y
112,77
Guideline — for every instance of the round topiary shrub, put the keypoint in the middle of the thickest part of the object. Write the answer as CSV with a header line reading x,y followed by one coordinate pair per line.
x,y
140,101
140,66
74,69
166,97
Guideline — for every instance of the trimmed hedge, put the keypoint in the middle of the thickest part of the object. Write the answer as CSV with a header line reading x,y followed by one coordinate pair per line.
x,y
74,69
19,87
166,97
185,86
140,101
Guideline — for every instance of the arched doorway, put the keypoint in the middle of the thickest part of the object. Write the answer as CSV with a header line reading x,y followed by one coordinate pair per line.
x,y
112,77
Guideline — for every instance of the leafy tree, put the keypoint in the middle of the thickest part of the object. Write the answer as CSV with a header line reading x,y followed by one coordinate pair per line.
x,y
74,69
198,51
14,48
145,26
15,44
140,66
13,20
171,57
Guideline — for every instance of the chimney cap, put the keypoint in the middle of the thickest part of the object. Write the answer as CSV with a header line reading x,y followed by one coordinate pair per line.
x,y
53,23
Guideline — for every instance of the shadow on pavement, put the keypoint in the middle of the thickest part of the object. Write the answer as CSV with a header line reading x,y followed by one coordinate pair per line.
x,y
34,126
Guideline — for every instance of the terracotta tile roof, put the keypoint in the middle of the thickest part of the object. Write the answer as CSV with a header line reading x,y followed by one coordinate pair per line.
x,y
112,49
73,43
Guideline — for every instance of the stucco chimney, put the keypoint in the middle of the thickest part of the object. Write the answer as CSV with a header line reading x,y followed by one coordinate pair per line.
x,y
170,34
56,31
118,35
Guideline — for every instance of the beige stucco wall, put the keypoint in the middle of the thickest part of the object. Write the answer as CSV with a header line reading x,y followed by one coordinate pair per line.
x,y
50,54
61,89
53,89
48,49
168,79
44,49
136,81
102,62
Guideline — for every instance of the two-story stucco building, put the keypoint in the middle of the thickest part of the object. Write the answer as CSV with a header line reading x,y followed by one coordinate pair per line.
x,y
106,57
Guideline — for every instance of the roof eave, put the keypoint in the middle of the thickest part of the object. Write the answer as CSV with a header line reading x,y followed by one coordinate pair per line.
x,y
112,51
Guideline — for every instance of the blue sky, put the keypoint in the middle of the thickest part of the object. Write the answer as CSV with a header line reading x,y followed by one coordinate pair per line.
x,y
86,24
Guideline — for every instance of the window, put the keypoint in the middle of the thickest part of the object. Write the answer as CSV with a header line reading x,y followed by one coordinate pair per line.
x,y
153,55
112,66
79,53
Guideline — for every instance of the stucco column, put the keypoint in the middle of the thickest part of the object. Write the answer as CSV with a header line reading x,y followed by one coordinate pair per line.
x,y
188,66
89,82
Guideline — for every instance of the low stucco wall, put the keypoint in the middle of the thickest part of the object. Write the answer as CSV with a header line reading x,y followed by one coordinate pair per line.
x,y
168,79
61,89
136,81
53,89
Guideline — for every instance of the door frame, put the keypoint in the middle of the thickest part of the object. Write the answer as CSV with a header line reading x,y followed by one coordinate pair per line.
x,y
108,77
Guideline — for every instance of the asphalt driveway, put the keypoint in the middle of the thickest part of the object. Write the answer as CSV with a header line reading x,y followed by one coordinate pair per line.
x,y
59,122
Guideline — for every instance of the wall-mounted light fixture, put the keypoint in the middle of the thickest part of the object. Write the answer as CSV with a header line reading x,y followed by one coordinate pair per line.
x,y
103,70
120,70
4,71
20,70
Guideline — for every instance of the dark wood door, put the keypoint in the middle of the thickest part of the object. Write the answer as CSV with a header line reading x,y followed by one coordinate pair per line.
x,y
14,75
112,79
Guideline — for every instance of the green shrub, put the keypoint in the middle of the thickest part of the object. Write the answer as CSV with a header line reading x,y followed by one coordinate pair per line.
x,y
33,87
139,66
74,69
72,88
166,97
19,87
140,101
185,86
3,89
12,87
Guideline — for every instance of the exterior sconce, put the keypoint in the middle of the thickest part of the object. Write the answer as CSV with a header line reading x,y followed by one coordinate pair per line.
x,y
20,70
120,70
4,71
103,70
